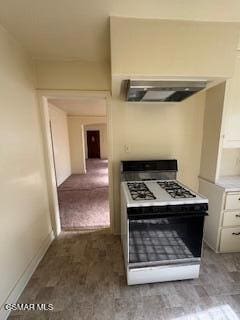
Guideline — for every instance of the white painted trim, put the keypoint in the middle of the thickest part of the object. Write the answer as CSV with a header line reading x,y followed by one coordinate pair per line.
x,y
110,161
51,176
211,247
25,277
83,149
43,96
73,94
87,116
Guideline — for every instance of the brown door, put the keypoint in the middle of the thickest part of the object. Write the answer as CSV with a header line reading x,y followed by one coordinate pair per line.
x,y
93,144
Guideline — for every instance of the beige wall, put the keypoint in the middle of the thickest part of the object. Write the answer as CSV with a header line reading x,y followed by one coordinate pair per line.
x,y
72,75
232,98
103,138
24,219
172,48
60,138
77,151
212,132
76,138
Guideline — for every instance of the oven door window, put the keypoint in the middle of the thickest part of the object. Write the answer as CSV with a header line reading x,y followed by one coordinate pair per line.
x,y
165,240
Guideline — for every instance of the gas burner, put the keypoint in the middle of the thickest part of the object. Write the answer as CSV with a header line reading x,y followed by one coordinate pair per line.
x,y
139,191
175,190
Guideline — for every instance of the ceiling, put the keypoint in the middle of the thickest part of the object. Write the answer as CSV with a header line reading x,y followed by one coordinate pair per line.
x,y
79,30
85,106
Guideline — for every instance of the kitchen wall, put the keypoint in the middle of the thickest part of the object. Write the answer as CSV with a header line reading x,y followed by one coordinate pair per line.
x,y
212,132
76,138
172,48
25,229
142,48
158,131
103,138
60,138
81,75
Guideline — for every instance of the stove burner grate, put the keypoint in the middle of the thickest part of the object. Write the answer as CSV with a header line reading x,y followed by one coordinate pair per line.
x,y
139,191
175,190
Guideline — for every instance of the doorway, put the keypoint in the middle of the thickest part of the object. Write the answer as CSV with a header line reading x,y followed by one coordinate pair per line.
x,y
93,144
92,185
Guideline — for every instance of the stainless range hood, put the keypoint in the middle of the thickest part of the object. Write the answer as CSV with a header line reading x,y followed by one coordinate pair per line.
x,y
161,91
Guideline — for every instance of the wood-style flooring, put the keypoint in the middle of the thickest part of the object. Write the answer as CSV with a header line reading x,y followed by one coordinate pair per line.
x,y
82,275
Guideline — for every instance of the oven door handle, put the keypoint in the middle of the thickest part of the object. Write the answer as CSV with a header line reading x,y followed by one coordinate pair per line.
x,y
164,264
161,215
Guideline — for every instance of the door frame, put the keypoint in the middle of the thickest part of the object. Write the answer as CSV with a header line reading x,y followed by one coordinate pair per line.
x,y
99,142
43,96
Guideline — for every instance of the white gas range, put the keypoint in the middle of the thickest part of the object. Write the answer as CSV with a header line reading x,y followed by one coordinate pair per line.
x,y
159,193
161,223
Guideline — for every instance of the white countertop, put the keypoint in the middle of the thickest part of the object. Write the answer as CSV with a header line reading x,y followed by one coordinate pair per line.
x,y
229,183
162,197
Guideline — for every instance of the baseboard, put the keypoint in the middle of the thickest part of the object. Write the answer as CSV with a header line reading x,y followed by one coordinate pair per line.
x,y
25,277
63,179
211,247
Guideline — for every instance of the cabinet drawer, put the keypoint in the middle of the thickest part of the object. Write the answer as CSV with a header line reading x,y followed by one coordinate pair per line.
x,y
232,201
231,219
230,240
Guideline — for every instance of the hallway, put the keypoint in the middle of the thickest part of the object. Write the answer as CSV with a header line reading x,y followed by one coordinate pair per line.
x,y
83,198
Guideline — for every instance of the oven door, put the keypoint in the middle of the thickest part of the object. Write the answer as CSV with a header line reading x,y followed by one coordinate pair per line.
x,y
165,240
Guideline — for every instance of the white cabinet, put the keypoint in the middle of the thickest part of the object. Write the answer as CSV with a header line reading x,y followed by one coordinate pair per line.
x,y
232,109
232,201
220,157
221,129
230,240
230,226
222,225
231,219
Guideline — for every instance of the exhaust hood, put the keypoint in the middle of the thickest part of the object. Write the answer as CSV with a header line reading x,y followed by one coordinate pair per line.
x,y
161,91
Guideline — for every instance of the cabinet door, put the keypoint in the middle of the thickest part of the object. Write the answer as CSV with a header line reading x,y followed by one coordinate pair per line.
x,y
232,104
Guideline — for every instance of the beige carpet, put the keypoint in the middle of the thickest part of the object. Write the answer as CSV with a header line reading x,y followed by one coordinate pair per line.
x,y
83,198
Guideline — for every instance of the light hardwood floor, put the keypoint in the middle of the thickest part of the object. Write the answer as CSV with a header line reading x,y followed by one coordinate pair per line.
x,y
82,275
